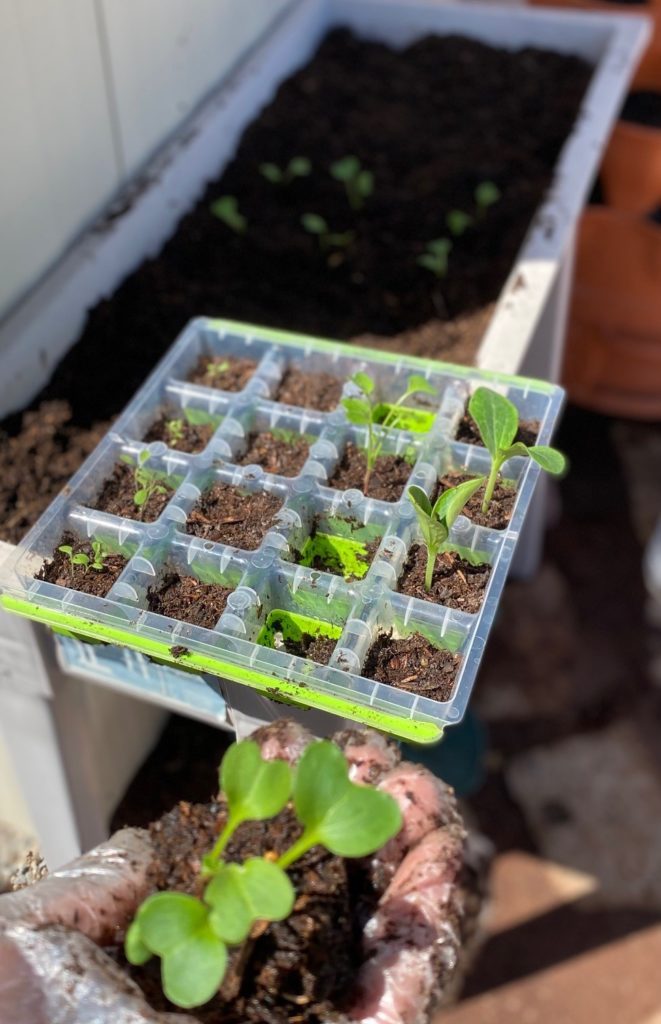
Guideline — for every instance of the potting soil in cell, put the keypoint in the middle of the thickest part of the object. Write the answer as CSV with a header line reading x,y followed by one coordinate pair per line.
x,y
497,116
288,577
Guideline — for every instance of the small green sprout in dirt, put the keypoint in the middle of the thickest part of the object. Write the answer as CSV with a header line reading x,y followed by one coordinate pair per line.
x,y
146,480
436,257
227,209
97,561
458,222
485,195
363,411
436,521
316,225
497,420
174,430
190,935
216,369
298,167
358,182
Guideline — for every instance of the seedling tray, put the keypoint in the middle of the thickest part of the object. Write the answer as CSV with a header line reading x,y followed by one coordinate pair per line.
x,y
327,569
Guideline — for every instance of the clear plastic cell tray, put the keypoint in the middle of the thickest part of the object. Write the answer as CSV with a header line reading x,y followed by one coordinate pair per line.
x,y
272,592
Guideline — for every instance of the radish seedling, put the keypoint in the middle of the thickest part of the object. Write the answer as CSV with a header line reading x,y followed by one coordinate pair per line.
x,y
485,195
227,209
146,480
298,167
316,225
174,430
436,521
436,257
97,561
362,411
358,182
190,935
497,420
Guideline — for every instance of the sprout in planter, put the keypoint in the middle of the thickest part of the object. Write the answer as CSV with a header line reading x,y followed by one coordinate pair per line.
x,y
316,225
362,411
174,430
97,561
358,182
437,521
497,420
485,195
298,167
146,480
191,935
216,369
227,209
436,257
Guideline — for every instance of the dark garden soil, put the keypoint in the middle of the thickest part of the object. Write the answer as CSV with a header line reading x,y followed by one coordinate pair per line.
x,y
387,480
497,116
240,520
59,570
412,664
469,434
319,391
300,970
643,107
456,583
314,648
500,510
188,599
227,373
275,454
117,493
183,436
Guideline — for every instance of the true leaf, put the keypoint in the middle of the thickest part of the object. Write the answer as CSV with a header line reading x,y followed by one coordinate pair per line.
x,y
255,789
496,417
192,973
358,410
241,894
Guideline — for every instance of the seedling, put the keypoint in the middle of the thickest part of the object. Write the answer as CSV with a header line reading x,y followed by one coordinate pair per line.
x,y
216,369
436,257
485,195
358,182
146,480
437,521
192,935
362,411
298,167
458,222
316,225
497,420
174,430
97,561
227,209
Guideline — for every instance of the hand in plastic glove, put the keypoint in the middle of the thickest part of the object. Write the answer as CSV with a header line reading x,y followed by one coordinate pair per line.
x,y
53,971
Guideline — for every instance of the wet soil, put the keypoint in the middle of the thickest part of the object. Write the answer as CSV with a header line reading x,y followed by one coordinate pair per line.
x,y
319,391
469,434
285,457
241,520
643,107
456,582
500,510
412,664
314,648
60,571
226,373
176,432
188,599
353,97
387,480
116,496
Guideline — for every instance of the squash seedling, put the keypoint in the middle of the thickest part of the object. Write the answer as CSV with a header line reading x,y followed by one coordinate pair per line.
x,y
497,420
190,935
436,521
436,257
227,209
146,480
363,411
97,561
358,182
316,225
298,167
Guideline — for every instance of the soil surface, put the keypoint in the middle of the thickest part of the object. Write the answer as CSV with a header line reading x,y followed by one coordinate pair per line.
x,y
412,664
314,648
469,434
227,373
240,520
319,391
456,583
275,454
116,496
500,510
387,480
176,432
188,599
299,970
59,569
354,97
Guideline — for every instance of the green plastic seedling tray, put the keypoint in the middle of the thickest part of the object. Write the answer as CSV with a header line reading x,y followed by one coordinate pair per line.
x,y
311,573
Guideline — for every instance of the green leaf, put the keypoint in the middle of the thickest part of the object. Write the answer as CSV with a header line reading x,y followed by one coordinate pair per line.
x,y
420,499
80,559
365,383
486,194
321,777
358,410
548,458
440,246
192,973
141,496
128,459
134,948
496,417
432,263
315,224
360,822
66,549
419,383
271,172
242,894
451,502
166,917
299,166
346,168
143,456
227,209
458,221
255,789
365,183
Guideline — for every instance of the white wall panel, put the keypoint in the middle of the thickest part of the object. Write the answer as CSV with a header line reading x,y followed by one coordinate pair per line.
x,y
166,54
58,162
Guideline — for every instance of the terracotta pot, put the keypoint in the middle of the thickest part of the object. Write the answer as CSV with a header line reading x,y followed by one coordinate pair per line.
x,y
613,357
631,169
648,74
